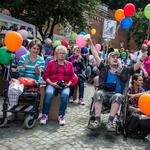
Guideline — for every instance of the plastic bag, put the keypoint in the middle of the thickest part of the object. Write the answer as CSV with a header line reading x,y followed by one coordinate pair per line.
x,y
27,81
14,90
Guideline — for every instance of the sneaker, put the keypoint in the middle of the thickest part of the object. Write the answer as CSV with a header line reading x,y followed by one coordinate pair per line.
x,y
81,101
95,125
71,99
110,126
61,120
44,119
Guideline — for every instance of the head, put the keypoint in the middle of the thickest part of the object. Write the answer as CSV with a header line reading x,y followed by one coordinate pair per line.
x,y
48,42
122,50
113,59
61,52
35,46
76,50
137,80
100,54
144,48
128,55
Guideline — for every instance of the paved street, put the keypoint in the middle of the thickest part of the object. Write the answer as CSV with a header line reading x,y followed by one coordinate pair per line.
x,y
74,135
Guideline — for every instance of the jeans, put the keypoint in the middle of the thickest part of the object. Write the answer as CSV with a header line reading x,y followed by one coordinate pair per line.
x,y
50,90
81,89
87,70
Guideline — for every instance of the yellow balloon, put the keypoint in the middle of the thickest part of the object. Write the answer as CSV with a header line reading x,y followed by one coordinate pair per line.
x,y
93,31
116,50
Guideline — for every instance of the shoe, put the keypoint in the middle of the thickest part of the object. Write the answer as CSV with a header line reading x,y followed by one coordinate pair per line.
x,y
61,120
71,99
95,125
110,126
12,118
44,119
81,101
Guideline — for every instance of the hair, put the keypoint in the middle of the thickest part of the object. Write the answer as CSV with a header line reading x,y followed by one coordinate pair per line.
x,y
144,45
135,77
61,48
74,48
35,42
48,41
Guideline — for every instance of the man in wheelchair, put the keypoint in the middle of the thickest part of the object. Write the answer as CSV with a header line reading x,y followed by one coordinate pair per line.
x,y
113,85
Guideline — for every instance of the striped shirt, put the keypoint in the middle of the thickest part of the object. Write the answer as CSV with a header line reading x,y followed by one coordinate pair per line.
x,y
30,69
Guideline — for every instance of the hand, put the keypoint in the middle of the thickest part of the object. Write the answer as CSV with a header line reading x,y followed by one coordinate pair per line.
x,y
145,74
144,55
130,95
78,59
89,41
138,109
36,65
67,85
55,85
25,63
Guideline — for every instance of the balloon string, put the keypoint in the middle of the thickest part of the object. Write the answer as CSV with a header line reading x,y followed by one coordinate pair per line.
x,y
148,30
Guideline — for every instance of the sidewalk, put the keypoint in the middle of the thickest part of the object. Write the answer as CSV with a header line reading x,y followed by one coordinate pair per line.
x,y
73,136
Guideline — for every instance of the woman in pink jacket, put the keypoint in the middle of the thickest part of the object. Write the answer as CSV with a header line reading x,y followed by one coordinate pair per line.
x,y
59,75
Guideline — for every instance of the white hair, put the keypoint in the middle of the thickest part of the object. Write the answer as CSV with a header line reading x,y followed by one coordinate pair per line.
x,y
144,45
48,41
61,48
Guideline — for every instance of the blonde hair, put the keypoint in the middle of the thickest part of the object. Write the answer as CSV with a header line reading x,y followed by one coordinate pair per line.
x,y
74,48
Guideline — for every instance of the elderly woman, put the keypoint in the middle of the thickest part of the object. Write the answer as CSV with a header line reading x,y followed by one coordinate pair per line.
x,y
29,64
78,64
59,75
47,48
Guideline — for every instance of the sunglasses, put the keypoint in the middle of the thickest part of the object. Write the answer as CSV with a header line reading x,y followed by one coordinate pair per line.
x,y
144,49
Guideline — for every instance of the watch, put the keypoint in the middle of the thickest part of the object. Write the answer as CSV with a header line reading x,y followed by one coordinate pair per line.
x,y
141,60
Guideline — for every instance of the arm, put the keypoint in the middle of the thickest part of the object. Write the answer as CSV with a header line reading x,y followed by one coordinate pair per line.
x,y
94,52
134,108
144,71
44,52
136,95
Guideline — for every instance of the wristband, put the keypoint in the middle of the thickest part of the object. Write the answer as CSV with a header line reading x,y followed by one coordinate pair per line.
x,y
141,60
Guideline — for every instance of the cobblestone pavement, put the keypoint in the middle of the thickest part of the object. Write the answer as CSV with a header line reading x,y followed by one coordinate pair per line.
x,y
74,135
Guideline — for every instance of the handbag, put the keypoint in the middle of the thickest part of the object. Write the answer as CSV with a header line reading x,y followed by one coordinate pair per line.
x,y
146,81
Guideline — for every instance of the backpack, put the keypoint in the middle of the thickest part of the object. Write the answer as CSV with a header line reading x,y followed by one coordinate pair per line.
x,y
134,128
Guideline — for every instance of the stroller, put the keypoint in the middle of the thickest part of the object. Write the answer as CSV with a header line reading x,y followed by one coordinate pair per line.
x,y
28,102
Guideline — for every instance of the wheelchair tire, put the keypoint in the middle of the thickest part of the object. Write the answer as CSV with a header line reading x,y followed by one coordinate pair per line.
x,y
118,128
2,124
29,122
125,110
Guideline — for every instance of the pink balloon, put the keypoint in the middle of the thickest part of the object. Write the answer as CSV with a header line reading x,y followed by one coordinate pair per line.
x,y
7,31
23,33
21,51
98,47
67,38
80,41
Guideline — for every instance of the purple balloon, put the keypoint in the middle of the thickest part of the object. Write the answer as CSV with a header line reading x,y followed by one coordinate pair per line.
x,y
7,31
23,33
21,51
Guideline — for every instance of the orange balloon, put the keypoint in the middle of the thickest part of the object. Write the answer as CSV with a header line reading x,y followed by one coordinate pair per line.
x,y
119,14
144,103
13,41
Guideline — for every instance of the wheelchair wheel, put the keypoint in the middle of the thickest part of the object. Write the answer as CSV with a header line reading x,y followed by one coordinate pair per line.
x,y
3,123
118,128
125,110
29,122
92,113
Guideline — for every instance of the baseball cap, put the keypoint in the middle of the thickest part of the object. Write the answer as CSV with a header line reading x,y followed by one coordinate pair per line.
x,y
113,53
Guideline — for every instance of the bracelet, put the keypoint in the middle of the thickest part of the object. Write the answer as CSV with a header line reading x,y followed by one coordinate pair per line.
x,y
141,60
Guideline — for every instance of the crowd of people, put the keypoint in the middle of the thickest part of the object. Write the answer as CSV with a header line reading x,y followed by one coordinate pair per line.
x,y
112,74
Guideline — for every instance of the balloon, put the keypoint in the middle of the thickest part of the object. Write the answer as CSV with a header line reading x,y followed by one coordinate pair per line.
x,y
56,43
126,23
75,81
64,43
105,40
80,41
73,36
21,51
123,54
93,31
144,103
119,14
116,50
7,31
84,49
98,47
147,11
66,55
129,10
23,33
67,38
5,56
13,41
83,33
145,42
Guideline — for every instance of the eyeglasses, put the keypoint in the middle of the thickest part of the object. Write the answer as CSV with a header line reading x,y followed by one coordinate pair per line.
x,y
144,49
61,53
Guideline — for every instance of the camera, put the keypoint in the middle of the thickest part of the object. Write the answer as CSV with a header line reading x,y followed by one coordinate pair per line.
x,y
61,84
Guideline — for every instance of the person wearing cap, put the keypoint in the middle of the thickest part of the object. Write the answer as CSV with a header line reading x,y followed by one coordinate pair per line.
x,y
118,79
47,47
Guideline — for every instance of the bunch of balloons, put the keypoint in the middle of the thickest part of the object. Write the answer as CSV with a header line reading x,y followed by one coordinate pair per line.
x,y
124,15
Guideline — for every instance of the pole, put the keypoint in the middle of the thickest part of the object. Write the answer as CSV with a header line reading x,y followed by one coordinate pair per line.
x,y
106,52
148,30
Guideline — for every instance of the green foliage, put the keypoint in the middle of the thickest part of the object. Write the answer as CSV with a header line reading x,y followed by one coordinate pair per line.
x,y
47,13
138,30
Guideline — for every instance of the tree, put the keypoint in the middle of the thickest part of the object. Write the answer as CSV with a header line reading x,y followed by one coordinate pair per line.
x,y
139,29
51,12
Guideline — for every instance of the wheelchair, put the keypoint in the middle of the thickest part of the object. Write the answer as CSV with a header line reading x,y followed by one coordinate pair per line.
x,y
91,74
27,102
121,114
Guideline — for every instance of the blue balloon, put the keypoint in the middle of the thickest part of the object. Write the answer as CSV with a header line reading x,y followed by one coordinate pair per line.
x,y
126,23
66,55
84,49
105,40
83,33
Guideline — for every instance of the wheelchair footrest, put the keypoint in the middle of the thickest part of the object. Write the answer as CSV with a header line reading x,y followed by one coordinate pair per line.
x,y
21,107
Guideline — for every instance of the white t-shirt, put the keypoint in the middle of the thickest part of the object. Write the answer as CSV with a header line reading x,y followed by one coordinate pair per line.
x,y
132,56
128,61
